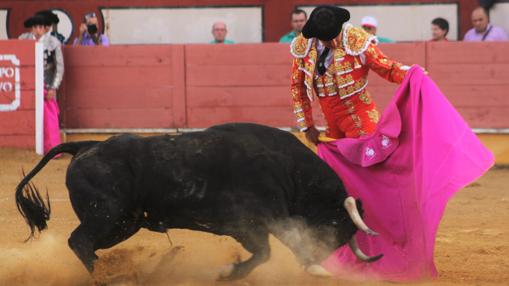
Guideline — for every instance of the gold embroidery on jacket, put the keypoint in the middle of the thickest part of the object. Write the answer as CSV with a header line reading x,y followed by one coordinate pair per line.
x,y
357,39
356,120
299,46
373,115
349,105
366,98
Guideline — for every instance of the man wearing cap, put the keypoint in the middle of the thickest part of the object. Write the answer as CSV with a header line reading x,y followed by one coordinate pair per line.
x,y
54,24
29,24
331,61
53,74
370,25
50,24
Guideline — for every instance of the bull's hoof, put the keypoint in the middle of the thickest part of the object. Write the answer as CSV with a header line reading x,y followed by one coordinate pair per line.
x,y
317,270
233,272
226,272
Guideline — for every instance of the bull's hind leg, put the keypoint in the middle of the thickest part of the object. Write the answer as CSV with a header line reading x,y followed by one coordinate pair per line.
x,y
82,243
95,234
256,242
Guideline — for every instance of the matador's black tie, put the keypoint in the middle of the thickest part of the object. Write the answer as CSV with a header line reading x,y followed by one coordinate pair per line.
x,y
320,65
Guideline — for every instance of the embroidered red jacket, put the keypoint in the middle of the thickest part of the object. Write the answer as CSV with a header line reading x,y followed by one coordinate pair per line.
x,y
345,77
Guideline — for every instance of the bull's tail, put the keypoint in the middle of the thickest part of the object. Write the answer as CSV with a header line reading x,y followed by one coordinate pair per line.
x,y
30,204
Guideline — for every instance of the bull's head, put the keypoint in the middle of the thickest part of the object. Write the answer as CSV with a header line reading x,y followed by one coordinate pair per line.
x,y
351,207
336,231
339,229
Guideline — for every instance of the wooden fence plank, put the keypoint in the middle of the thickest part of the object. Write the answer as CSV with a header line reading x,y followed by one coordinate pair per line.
x,y
121,118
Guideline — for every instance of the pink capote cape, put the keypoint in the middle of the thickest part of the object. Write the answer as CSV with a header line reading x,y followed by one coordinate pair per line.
x,y
51,125
421,154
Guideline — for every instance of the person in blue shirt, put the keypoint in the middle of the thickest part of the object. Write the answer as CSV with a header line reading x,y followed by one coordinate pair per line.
x,y
219,32
298,20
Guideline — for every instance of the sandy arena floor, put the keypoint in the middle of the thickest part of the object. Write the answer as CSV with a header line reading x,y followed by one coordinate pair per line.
x,y
472,243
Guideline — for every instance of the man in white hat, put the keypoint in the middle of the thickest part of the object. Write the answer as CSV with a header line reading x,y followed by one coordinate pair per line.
x,y
370,24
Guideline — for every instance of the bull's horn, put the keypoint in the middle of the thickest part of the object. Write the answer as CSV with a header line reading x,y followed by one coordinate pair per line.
x,y
351,208
358,252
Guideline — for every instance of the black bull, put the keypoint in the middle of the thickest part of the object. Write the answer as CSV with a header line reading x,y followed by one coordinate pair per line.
x,y
240,180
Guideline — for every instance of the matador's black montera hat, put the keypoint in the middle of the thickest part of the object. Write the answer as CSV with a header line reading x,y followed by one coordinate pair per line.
x,y
325,22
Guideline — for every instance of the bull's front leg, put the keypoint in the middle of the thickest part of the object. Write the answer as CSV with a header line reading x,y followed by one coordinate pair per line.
x,y
256,242
299,239
296,236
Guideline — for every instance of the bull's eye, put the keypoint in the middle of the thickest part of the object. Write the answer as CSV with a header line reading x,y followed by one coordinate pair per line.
x,y
334,222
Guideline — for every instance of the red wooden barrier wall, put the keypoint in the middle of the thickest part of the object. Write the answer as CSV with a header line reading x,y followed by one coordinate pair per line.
x,y
238,83
195,86
475,78
17,127
124,87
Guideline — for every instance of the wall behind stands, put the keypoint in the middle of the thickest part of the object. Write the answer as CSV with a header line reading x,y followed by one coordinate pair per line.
x,y
195,86
499,15
3,27
260,20
181,25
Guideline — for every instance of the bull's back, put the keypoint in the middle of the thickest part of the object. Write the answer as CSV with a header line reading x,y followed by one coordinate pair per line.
x,y
279,141
303,160
270,137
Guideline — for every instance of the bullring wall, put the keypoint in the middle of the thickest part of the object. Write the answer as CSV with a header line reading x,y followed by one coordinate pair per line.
x,y
21,94
159,88
195,86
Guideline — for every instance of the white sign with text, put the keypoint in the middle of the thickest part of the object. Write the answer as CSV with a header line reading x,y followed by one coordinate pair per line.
x,y
10,93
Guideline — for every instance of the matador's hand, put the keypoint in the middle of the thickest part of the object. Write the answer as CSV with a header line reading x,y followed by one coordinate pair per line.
x,y
312,134
52,93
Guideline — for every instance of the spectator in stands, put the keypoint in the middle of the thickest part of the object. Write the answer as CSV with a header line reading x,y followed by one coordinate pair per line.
x,y
219,32
53,74
370,25
483,30
439,29
298,20
89,33
54,24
